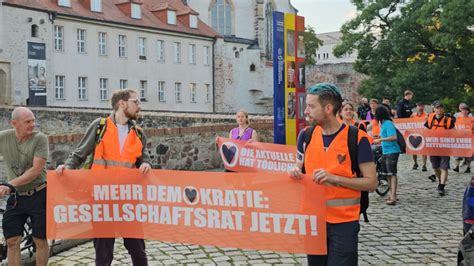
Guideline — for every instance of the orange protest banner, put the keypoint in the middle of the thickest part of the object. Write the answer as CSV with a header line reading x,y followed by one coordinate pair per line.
x,y
403,124
439,142
241,156
263,211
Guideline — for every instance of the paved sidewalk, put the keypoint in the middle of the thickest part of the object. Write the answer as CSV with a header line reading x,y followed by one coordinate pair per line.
x,y
423,228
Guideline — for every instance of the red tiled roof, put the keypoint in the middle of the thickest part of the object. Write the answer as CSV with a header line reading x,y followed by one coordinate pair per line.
x,y
112,13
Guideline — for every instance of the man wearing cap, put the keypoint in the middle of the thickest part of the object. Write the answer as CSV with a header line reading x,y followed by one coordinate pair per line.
x,y
439,121
25,152
328,162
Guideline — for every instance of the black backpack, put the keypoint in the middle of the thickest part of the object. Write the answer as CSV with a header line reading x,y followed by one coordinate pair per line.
x,y
401,141
352,139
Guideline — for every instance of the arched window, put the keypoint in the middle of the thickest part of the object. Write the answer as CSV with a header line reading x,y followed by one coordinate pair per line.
x,y
34,30
221,16
269,8
252,68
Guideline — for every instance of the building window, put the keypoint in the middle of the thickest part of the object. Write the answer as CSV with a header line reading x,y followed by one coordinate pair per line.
x,y
193,21
102,43
252,68
142,48
123,84
192,91
221,16
136,11
66,3
34,31
59,87
192,54
171,17
269,8
161,91
143,86
122,46
177,52
103,89
82,88
58,38
207,55
81,41
208,92
160,50
177,92
96,5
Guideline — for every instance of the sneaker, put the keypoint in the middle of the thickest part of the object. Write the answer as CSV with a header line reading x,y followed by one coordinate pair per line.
x,y
468,170
456,169
415,166
432,178
424,168
441,191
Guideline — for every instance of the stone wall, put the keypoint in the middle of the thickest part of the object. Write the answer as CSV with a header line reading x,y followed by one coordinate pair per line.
x,y
341,74
175,141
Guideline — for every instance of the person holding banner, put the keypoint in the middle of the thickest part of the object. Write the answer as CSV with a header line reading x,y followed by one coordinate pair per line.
x,y
463,120
112,152
390,150
420,114
347,116
327,161
25,152
439,121
243,131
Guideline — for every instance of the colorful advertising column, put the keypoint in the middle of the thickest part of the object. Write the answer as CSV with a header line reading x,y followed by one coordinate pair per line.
x,y
289,77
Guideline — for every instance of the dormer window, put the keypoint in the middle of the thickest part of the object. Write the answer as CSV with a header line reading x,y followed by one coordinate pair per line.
x,y
66,3
136,11
96,5
193,21
171,17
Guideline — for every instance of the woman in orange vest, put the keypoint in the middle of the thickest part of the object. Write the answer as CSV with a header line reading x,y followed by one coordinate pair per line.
x,y
347,116
420,114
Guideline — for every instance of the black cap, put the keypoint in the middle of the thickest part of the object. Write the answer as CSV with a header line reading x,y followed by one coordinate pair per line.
x,y
438,104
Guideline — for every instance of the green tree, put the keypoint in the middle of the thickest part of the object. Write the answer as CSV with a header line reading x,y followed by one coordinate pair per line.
x,y
311,44
425,46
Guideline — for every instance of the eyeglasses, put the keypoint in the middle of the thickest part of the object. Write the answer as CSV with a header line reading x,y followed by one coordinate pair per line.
x,y
135,101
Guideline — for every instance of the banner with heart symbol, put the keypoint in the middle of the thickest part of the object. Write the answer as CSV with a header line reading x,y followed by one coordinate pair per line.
x,y
242,156
453,142
241,210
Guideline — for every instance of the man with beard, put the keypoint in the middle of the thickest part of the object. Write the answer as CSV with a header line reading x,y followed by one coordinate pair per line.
x,y
122,145
327,161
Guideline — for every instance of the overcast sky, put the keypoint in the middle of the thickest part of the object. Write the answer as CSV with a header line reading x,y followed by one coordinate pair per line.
x,y
325,15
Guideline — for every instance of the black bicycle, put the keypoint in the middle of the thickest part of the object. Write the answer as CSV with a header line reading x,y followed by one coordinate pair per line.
x,y
27,242
382,186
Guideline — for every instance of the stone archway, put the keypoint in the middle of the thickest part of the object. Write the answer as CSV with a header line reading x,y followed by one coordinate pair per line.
x,y
5,84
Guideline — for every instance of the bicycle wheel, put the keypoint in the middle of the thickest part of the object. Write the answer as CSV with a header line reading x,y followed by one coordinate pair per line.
x,y
382,187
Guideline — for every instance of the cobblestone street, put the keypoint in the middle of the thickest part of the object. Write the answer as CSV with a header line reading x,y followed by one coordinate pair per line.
x,y
423,228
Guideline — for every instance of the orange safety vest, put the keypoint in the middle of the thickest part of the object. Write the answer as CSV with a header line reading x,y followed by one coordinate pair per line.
x,y
107,153
444,123
342,204
463,122
416,115
375,128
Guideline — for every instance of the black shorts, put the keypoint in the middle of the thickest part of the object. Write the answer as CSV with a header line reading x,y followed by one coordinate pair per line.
x,y
389,164
33,206
440,162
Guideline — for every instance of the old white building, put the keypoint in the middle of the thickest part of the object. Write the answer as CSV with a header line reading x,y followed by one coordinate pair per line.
x,y
243,58
74,53
324,55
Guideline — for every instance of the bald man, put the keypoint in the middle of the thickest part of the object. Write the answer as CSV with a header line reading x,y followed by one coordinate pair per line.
x,y
25,152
